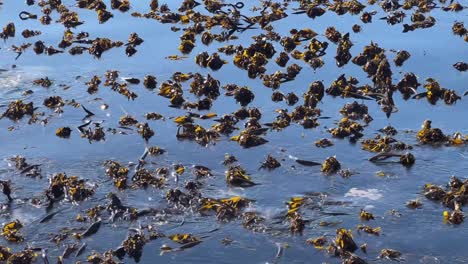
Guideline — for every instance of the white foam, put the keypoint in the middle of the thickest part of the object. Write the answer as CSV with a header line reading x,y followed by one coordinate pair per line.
x,y
371,194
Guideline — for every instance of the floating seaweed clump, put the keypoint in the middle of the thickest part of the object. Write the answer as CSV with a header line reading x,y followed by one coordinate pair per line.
x,y
93,84
429,135
225,209
323,143
254,222
390,254
5,253
144,178
145,131
63,132
133,245
401,57
365,215
184,238
408,85
459,29
187,130
347,128
296,221
101,45
54,102
414,204
9,31
249,138
461,66
18,109
434,136
11,231
107,258
182,187
44,82
270,163
330,166
96,134
213,61
455,196
384,144
318,242
406,159
369,230
356,111
25,256
117,172
237,176
344,240
127,121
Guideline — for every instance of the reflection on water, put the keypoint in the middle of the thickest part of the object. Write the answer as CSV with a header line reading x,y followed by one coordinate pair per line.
x,y
421,235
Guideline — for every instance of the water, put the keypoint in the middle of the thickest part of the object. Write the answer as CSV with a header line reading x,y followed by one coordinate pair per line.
x,y
421,235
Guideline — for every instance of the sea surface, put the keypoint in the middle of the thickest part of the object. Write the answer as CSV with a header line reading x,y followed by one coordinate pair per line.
x,y
421,235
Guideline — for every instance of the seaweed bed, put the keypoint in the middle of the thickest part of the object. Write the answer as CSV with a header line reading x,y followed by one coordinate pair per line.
x,y
224,132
